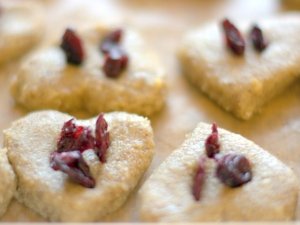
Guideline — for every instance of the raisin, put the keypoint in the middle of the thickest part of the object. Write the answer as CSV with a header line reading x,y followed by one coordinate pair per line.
x,y
199,179
234,40
72,46
102,138
257,38
212,145
233,170
73,164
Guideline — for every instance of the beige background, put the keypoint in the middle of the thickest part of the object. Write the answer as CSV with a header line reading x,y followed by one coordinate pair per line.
x,y
276,128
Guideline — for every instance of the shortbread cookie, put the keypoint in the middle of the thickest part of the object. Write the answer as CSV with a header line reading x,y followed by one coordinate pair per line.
x,y
243,84
8,182
294,4
20,28
270,194
46,79
31,141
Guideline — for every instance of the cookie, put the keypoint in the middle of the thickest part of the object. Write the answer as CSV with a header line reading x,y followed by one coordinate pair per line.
x,y
31,142
46,80
262,188
242,84
20,28
291,4
8,182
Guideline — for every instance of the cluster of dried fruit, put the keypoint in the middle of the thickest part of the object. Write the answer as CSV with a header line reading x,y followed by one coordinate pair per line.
x,y
236,42
73,141
233,170
115,58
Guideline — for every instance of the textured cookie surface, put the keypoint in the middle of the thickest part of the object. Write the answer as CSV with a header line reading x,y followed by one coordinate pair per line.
x,y
8,182
270,195
20,28
46,81
52,194
242,84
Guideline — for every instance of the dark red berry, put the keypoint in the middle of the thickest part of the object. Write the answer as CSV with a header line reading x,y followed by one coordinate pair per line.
x,y
72,46
115,62
111,40
102,138
115,35
212,145
66,136
233,170
115,58
199,179
73,164
75,137
257,38
234,40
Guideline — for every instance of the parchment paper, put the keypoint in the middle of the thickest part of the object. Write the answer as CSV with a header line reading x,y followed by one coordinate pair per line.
x,y
162,23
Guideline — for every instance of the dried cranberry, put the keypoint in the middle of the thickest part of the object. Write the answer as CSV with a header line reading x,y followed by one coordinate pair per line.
x,y
102,138
73,164
233,37
74,137
212,145
115,62
115,58
84,140
72,46
66,136
199,179
257,38
233,170
111,40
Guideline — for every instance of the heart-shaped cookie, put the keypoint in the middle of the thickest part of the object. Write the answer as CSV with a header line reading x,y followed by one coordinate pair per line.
x,y
270,194
8,182
46,80
30,142
20,28
242,84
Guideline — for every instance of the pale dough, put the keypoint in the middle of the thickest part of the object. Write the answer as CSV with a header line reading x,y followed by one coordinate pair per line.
x,y
8,182
243,84
46,81
167,195
31,139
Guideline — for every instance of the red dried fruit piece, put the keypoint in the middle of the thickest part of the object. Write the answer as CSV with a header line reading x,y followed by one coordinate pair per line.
x,y
102,138
72,46
74,137
199,179
115,36
233,170
115,62
111,40
233,37
73,164
84,139
257,38
66,136
115,58
212,145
